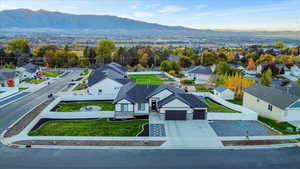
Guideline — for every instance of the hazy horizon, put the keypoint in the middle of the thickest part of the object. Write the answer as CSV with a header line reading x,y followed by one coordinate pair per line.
x,y
248,15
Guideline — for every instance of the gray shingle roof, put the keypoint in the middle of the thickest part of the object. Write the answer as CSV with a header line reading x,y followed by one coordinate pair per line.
x,y
274,96
293,89
163,87
140,94
135,93
220,88
31,68
189,99
200,70
6,74
108,71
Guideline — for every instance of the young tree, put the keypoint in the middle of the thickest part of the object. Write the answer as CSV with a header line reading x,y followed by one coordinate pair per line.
x,y
21,45
266,79
104,50
83,61
266,58
144,60
185,61
238,83
222,68
278,44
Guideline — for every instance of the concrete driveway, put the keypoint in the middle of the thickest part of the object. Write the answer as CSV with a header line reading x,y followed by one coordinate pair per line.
x,y
191,133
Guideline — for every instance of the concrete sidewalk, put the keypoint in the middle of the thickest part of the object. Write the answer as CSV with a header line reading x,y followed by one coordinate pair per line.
x,y
196,133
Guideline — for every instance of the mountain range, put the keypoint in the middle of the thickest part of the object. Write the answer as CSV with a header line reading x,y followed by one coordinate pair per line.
x,y
24,18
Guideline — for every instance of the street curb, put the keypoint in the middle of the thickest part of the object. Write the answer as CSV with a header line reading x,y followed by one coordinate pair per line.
x,y
275,146
15,122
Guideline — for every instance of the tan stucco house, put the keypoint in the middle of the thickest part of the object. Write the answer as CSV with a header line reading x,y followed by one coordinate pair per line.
x,y
274,103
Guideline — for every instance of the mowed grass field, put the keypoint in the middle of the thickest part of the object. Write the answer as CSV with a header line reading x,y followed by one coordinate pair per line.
x,y
215,107
146,79
100,127
75,106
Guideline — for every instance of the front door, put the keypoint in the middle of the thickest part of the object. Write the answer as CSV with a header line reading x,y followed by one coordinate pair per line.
x,y
154,105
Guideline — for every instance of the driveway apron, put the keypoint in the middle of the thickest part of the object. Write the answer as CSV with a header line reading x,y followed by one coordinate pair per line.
x,y
191,133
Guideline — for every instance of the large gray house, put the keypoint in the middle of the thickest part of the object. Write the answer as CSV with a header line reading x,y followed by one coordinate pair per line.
x,y
169,102
107,80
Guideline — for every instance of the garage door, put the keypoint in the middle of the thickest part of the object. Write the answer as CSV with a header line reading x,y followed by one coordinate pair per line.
x,y
199,114
175,115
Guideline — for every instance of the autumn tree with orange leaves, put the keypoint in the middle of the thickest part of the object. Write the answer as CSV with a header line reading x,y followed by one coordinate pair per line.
x,y
251,64
237,83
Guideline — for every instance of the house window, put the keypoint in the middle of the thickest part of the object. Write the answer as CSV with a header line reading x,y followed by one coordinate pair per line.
x,y
270,107
141,106
99,91
117,88
257,100
124,107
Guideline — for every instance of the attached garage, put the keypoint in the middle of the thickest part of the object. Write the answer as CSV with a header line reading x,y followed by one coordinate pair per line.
x,y
199,114
175,115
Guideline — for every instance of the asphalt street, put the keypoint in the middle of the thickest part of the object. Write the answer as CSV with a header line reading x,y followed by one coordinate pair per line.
x,y
12,158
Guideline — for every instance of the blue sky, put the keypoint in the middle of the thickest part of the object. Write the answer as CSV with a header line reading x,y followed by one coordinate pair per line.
x,y
202,14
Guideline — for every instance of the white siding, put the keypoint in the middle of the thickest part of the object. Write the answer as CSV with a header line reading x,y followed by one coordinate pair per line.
x,y
108,87
226,95
261,107
146,111
176,104
163,94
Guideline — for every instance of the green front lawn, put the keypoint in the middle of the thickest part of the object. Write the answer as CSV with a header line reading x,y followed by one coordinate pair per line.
x,y
75,106
23,88
34,81
52,73
147,79
214,107
236,101
100,127
283,127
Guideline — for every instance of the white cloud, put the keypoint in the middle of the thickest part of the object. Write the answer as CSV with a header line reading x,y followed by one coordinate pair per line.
x,y
141,14
171,9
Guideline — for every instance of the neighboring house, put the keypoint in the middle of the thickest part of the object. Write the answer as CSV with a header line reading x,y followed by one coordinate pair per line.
x,y
169,102
274,103
174,58
29,71
295,71
224,93
201,74
107,80
8,78
261,67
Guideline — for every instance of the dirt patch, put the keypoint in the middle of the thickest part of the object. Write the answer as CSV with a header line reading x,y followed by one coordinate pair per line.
x,y
256,142
21,124
28,143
